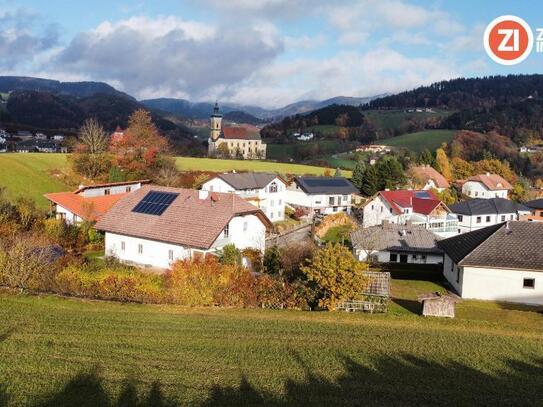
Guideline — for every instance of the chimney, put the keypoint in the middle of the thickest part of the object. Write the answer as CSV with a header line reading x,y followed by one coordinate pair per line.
x,y
203,194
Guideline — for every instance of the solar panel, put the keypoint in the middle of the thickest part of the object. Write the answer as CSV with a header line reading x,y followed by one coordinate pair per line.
x,y
155,203
423,194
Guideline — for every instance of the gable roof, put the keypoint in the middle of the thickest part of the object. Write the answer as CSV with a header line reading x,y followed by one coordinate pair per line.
x,y
248,180
238,133
511,245
423,202
535,204
325,185
89,209
188,220
481,206
406,238
492,182
110,184
426,173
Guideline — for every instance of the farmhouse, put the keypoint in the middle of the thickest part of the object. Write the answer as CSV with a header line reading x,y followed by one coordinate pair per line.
x,y
536,211
393,243
321,195
239,142
428,178
373,148
479,213
486,186
418,207
501,262
155,226
91,202
265,191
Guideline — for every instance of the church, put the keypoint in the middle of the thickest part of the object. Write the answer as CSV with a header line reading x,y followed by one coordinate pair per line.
x,y
233,142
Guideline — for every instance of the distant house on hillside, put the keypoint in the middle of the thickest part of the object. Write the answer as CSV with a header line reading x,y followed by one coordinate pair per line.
x,y
486,186
155,226
428,178
265,191
536,208
373,148
239,142
37,146
393,243
479,213
502,262
89,203
321,195
117,135
418,207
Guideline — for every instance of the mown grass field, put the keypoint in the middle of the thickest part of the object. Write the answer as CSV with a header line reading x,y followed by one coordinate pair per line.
x,y
428,139
63,352
391,119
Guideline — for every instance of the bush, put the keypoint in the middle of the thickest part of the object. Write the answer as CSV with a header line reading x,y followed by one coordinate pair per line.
x,y
230,255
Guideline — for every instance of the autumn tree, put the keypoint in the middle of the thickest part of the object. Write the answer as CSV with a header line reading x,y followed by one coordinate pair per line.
x,y
442,164
461,169
337,274
495,166
90,158
93,137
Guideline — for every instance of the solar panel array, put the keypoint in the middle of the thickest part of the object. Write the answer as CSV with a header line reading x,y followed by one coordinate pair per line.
x,y
155,203
423,194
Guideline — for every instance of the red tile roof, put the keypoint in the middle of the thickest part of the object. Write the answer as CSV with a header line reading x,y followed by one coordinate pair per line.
x,y
234,132
188,221
426,173
408,199
493,182
88,209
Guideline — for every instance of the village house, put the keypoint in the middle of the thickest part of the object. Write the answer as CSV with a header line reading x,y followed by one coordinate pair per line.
x,y
418,207
502,262
90,202
428,178
479,213
536,211
486,186
240,143
155,226
117,135
321,195
373,148
393,243
265,191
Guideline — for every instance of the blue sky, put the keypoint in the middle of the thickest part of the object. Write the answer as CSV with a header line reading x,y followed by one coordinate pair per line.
x,y
267,52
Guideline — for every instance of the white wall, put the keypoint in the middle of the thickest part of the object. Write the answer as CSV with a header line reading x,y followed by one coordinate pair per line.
x,y
383,256
113,190
453,273
69,217
476,189
318,202
217,185
377,210
470,223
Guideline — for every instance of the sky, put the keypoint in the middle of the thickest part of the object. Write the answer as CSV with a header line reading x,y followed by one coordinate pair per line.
x,y
260,52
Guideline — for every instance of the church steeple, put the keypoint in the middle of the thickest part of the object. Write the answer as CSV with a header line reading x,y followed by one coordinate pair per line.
x,y
215,121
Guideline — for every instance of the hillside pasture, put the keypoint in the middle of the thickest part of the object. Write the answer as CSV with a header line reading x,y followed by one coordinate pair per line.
x,y
65,352
417,142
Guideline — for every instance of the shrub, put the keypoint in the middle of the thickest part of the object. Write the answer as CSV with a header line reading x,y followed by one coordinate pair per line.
x,y
272,261
254,256
230,255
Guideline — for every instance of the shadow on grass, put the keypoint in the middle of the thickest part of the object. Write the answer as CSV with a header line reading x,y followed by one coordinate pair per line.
x,y
409,305
405,380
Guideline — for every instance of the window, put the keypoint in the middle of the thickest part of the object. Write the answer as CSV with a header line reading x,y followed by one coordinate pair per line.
x,y
345,198
170,255
393,257
460,218
271,215
227,230
273,187
478,220
123,246
331,200
279,214
140,248
245,226
458,270
488,218
372,207
279,202
541,213
128,189
414,257
528,283
503,218
271,202
211,188
107,191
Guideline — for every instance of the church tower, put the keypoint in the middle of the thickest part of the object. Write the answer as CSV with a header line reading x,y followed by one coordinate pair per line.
x,y
216,119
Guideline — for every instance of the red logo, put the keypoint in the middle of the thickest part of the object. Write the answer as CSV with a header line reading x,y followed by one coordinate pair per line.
x,y
508,40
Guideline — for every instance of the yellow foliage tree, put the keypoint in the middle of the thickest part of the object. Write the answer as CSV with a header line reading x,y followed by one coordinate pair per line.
x,y
442,162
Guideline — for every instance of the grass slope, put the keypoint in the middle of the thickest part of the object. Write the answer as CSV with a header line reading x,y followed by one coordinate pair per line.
x,y
28,175
209,164
60,352
428,139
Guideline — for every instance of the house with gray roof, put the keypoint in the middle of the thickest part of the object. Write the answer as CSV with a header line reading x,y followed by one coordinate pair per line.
x,y
479,213
321,195
264,190
394,243
501,262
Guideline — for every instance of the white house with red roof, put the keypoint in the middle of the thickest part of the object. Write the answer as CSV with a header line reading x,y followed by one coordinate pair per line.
x,y
428,178
240,142
89,203
155,226
486,186
419,207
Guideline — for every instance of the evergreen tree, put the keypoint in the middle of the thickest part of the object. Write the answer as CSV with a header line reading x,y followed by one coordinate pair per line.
x,y
370,184
390,173
359,174
426,157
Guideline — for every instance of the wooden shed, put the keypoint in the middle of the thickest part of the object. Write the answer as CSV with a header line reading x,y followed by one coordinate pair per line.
x,y
438,305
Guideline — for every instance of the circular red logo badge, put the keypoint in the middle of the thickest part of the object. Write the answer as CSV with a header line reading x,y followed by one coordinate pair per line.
x,y
508,40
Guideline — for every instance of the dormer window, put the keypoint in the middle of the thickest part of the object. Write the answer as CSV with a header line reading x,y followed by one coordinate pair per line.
x,y
273,187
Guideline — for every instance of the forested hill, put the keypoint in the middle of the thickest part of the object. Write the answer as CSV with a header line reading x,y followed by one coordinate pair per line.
x,y
462,94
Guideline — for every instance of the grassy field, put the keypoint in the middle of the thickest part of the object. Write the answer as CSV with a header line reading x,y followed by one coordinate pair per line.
x,y
430,139
207,164
29,175
392,119
62,352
